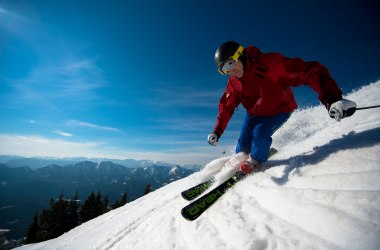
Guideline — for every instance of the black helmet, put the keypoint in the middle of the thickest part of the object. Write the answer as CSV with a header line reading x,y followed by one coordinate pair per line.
x,y
226,51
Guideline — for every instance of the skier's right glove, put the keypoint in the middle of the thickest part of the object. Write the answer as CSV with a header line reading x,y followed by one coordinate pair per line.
x,y
213,139
341,109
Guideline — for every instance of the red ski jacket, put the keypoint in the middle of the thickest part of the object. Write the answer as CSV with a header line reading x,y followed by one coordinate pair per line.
x,y
264,89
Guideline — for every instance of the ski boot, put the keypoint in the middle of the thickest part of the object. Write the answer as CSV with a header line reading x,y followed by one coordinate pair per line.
x,y
249,166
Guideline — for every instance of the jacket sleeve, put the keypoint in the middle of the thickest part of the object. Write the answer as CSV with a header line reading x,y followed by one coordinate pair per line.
x,y
227,104
315,75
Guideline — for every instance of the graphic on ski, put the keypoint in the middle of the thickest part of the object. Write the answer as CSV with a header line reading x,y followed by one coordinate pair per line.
x,y
194,192
197,190
197,207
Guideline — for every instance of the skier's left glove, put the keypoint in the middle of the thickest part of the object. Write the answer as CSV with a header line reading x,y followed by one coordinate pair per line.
x,y
341,109
213,139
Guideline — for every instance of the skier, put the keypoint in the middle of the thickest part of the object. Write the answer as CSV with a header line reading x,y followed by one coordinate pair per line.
x,y
261,82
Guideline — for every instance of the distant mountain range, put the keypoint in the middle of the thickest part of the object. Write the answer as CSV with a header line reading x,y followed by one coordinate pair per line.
x,y
25,190
39,162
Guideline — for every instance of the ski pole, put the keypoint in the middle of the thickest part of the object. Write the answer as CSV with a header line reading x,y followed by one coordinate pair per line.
x,y
369,107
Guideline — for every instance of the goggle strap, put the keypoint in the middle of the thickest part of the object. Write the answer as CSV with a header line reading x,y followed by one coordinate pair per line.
x,y
238,53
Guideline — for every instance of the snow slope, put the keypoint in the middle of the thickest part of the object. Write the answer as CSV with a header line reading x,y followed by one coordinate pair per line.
x,y
321,191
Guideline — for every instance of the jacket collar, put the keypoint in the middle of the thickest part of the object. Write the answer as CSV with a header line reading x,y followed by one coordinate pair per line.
x,y
252,54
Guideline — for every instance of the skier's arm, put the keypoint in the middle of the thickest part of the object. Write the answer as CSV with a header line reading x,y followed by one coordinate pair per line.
x,y
315,75
226,110
318,78
227,105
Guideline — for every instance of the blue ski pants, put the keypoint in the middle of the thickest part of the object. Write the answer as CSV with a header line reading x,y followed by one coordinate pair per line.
x,y
256,134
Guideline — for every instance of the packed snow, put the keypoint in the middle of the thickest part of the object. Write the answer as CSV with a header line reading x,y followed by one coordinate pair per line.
x,y
320,191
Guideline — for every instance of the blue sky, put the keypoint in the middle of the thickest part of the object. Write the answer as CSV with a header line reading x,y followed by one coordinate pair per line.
x,y
136,79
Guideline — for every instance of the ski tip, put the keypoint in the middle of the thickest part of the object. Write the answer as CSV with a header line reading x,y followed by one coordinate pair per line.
x,y
183,194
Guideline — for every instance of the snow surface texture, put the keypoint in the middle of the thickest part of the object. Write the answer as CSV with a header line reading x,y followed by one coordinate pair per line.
x,y
320,191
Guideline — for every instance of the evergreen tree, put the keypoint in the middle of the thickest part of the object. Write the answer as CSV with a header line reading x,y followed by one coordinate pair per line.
x,y
147,189
87,208
121,202
58,217
92,207
42,234
63,215
31,235
72,212
123,199
99,206
105,204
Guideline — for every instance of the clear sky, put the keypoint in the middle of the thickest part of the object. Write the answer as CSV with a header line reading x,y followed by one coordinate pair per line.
x,y
136,79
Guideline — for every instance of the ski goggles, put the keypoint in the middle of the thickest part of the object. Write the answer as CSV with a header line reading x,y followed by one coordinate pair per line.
x,y
225,67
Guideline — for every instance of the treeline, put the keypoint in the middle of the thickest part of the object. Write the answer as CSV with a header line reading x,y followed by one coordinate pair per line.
x,y
65,214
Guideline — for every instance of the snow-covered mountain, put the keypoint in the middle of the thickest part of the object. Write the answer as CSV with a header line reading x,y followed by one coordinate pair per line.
x,y
39,162
322,191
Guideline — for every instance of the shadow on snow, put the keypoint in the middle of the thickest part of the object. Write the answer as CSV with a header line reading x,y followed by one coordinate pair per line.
x,y
352,140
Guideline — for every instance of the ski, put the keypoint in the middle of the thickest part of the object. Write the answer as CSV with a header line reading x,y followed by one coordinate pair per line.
x,y
197,207
195,191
